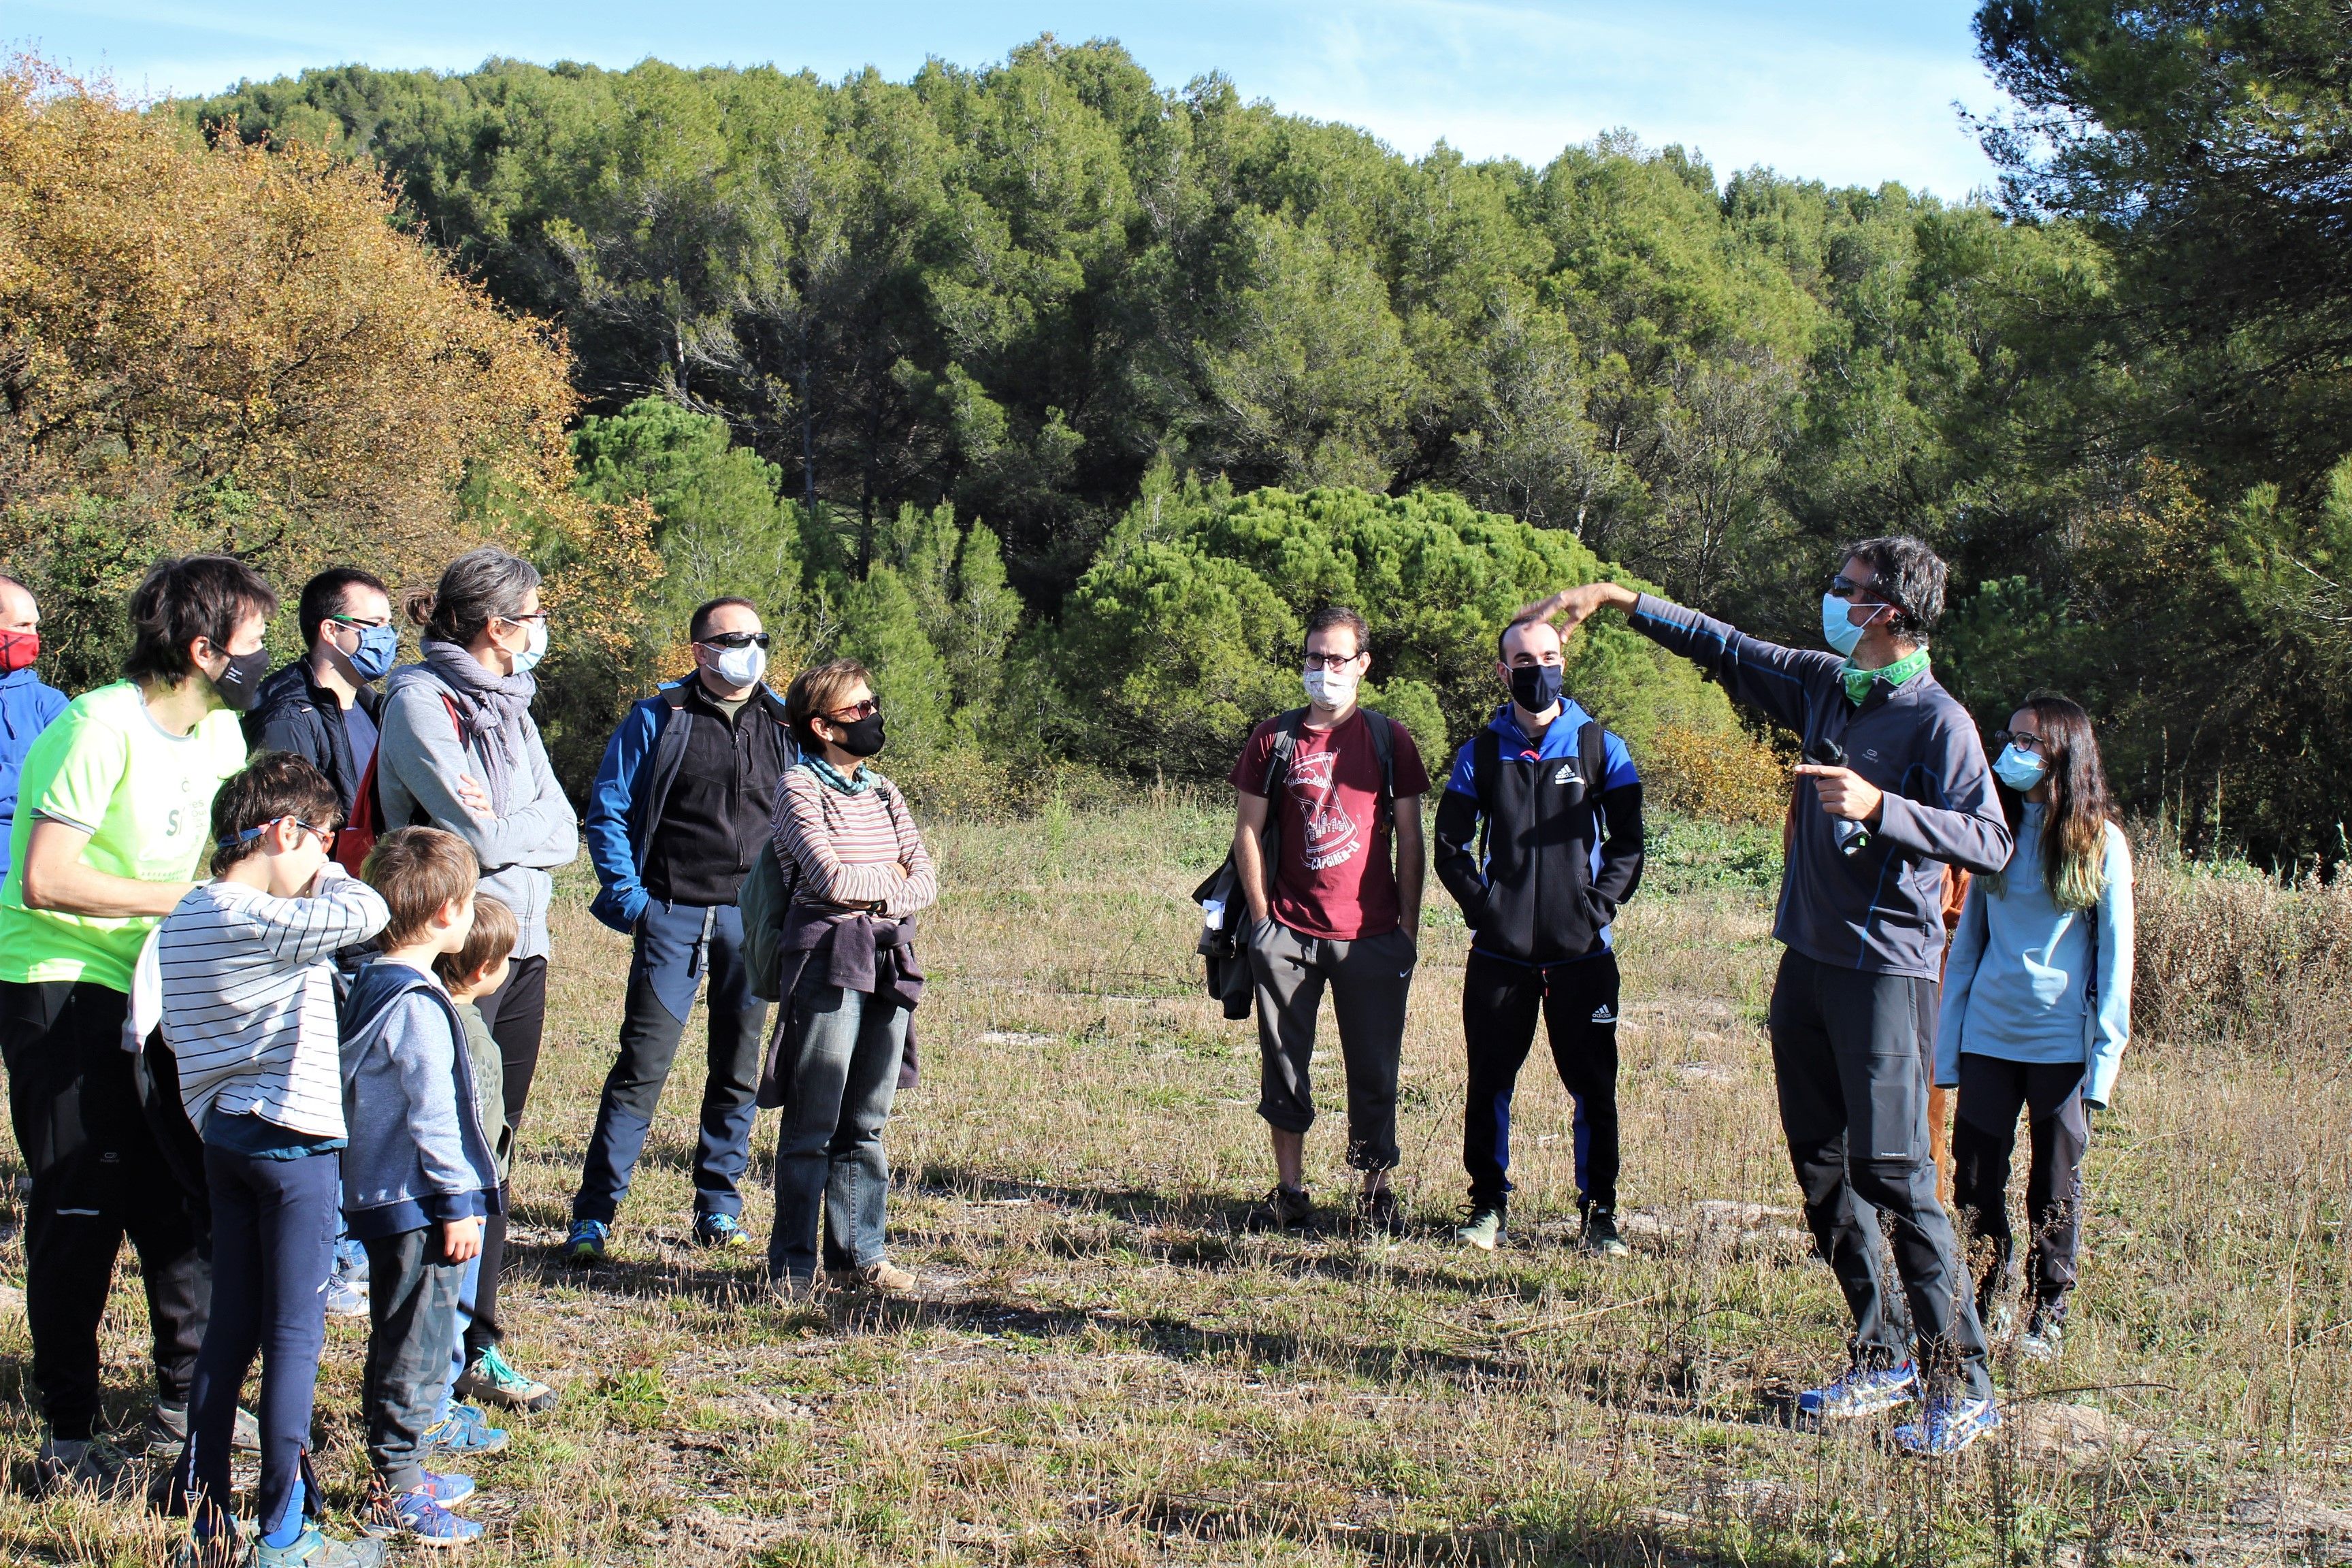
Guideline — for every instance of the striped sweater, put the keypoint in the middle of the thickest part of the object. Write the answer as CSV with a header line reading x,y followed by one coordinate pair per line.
x,y
851,851
248,993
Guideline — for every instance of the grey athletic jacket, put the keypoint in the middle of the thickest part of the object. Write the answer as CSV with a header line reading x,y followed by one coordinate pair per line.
x,y
1880,909
418,761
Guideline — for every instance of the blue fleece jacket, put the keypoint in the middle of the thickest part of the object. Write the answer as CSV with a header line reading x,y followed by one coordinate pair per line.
x,y
417,1152
2025,972
26,706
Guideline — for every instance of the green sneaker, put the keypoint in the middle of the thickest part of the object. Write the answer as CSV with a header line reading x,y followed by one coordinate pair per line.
x,y
491,1380
1486,1229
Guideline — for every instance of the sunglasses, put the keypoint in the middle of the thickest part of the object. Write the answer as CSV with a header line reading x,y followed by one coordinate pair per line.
x,y
1845,588
2023,740
850,715
736,640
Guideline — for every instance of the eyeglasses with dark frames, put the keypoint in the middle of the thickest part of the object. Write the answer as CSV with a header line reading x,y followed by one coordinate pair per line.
x,y
1329,660
855,711
2023,740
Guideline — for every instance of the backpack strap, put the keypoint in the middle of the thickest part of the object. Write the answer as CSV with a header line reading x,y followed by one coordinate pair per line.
x,y
1383,729
1285,742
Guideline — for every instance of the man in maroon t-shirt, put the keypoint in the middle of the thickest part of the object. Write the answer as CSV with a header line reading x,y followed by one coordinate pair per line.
x,y
1336,912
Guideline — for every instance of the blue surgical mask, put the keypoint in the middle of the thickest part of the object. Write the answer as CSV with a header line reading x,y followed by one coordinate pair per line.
x,y
379,646
2021,771
1837,630
533,650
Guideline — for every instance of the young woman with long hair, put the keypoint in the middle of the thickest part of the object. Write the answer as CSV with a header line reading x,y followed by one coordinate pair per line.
x,y
2037,1006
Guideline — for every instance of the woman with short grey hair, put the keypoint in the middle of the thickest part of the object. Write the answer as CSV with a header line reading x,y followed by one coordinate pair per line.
x,y
459,752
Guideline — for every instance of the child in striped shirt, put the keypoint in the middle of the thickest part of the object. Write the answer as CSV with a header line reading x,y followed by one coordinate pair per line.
x,y
249,998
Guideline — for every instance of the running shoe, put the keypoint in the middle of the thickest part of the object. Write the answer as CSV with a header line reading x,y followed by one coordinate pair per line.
x,y
1487,1228
464,1433
1864,1391
493,1382
722,1231
420,1516
584,1245
1946,1425
314,1548
1601,1236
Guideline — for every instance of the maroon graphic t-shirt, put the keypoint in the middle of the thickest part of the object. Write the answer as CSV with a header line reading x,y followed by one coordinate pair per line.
x,y
1336,878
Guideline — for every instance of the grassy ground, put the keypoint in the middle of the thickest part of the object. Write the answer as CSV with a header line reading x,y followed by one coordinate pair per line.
x,y
1105,1370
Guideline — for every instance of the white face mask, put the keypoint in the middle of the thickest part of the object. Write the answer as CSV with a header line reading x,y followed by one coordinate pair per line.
x,y
1332,688
534,649
740,666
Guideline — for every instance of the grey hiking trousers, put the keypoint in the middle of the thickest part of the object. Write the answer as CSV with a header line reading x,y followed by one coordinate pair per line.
x,y
1369,980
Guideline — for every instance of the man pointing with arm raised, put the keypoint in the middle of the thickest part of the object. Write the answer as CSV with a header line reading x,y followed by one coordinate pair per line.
x,y
1900,787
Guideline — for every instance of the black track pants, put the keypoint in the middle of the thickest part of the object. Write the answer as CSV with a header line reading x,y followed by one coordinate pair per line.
x,y
1992,1091
1579,1000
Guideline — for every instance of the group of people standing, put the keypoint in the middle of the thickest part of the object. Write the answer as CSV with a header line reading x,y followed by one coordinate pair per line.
x,y
1539,838
364,976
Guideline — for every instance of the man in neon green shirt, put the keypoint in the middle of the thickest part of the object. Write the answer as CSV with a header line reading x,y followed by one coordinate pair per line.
x,y
112,827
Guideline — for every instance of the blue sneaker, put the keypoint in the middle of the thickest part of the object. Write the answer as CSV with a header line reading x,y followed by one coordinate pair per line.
x,y
351,1261
345,1300
1946,1425
420,1516
723,1231
584,1248
462,1433
1864,1391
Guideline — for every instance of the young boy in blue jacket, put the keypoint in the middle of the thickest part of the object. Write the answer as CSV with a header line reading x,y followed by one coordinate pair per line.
x,y
419,1174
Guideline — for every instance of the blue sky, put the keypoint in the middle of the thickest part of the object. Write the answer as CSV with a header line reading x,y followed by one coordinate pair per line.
x,y
1845,91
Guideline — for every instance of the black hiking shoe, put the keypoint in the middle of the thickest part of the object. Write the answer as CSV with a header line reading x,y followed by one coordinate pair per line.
x,y
1379,1213
1601,1238
1285,1208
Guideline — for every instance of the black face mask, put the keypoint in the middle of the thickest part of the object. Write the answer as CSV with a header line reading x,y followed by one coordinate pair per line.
x,y
863,739
239,686
1536,687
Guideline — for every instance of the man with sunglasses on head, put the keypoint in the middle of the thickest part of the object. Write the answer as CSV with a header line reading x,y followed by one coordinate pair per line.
x,y
679,812
324,707
1900,788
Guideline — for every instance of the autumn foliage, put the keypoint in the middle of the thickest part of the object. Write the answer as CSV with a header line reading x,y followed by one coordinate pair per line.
x,y
231,347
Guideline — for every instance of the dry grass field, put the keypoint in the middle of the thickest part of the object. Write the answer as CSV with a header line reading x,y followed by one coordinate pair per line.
x,y
1105,1370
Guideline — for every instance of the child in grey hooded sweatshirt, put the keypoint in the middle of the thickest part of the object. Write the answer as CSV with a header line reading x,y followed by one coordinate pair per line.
x,y
419,1174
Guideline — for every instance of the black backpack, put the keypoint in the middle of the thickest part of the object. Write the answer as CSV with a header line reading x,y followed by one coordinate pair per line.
x,y
1223,947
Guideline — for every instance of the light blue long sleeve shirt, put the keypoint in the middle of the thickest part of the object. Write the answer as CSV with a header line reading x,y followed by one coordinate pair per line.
x,y
2018,985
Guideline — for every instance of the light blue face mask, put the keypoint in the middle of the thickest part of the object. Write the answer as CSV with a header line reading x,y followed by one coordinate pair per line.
x,y
2021,771
1837,631
379,646
533,650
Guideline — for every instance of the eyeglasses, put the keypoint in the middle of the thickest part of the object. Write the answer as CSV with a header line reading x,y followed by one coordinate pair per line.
x,y
325,835
518,620
736,640
850,715
365,625
1329,660
2023,740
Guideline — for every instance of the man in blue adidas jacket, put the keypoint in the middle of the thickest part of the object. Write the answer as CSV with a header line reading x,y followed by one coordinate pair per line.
x,y
1561,807
679,812
1900,789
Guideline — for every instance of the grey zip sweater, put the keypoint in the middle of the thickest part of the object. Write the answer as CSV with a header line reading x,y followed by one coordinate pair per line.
x,y
1879,909
418,761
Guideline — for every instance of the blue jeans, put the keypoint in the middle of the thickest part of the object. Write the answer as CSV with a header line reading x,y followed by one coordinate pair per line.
x,y
676,944
842,1061
411,1320
273,1245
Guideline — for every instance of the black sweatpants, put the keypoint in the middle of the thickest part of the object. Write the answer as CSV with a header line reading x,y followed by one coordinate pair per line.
x,y
1984,1134
1499,999
1854,1107
412,1314
517,1015
98,1175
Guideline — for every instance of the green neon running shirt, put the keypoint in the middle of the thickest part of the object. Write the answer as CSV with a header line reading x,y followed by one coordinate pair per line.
x,y
145,799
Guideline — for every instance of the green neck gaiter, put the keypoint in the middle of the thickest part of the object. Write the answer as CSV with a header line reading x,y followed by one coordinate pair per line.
x,y
1858,682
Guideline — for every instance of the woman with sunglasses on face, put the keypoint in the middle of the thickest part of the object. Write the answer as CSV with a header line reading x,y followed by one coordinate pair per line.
x,y
459,752
858,873
2037,1005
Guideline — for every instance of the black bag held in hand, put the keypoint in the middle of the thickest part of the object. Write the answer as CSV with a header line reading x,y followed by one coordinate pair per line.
x,y
1224,926
1852,836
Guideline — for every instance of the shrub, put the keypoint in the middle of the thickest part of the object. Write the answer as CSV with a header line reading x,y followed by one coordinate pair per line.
x,y
2225,951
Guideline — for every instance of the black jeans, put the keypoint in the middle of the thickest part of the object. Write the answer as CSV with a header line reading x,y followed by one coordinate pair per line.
x,y
517,1015
676,946
98,1174
1369,979
412,1318
273,1246
1854,1107
1984,1134
1499,1000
